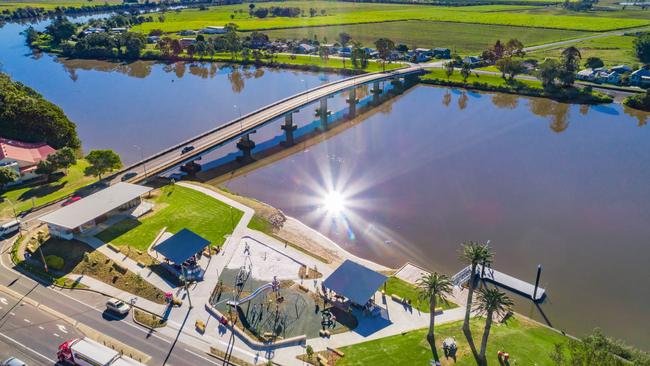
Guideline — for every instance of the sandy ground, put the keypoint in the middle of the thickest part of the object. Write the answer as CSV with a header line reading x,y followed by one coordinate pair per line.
x,y
265,262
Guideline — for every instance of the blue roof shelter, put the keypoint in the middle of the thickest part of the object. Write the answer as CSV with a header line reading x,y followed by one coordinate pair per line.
x,y
181,246
354,281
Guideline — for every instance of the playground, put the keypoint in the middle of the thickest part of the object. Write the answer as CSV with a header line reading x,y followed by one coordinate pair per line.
x,y
276,309
266,262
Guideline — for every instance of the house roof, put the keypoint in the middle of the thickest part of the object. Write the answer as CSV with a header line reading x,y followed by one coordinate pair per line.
x,y
30,152
181,246
354,281
95,205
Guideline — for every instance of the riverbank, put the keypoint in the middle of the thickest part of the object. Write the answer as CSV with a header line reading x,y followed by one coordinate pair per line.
x,y
525,87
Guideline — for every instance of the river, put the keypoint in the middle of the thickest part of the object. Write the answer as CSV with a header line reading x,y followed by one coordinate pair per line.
x,y
564,186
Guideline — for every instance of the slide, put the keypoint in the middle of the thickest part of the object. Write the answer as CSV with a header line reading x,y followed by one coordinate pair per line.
x,y
248,298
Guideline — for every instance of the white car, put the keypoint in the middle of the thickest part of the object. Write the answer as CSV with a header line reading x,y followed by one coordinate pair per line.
x,y
118,306
13,361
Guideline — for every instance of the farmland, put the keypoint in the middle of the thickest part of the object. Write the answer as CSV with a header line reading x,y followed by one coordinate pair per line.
x,y
456,36
338,13
10,5
613,50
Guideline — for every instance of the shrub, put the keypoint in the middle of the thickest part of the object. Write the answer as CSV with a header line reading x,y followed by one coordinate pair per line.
x,y
54,262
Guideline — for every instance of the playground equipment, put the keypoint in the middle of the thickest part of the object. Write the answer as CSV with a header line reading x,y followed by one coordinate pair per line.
x,y
275,286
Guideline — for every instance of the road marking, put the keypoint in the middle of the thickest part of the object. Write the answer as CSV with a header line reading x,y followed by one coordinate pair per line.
x,y
40,327
62,328
12,313
27,348
201,357
4,301
56,335
27,320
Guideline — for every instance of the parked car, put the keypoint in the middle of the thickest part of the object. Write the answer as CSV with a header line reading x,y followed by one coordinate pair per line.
x,y
71,200
13,361
9,228
117,306
187,149
128,176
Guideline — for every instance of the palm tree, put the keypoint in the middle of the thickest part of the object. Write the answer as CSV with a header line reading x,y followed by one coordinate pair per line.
x,y
432,287
473,254
491,301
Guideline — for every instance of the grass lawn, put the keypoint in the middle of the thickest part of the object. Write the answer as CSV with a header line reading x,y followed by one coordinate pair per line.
x,y
341,13
49,4
528,344
419,33
42,194
405,290
495,80
79,258
613,50
176,208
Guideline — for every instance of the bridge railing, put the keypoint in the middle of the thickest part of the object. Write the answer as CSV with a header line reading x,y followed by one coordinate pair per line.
x,y
248,115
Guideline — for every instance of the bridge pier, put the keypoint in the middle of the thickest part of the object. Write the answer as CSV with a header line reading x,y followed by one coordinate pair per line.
x,y
352,101
323,113
288,128
246,145
376,91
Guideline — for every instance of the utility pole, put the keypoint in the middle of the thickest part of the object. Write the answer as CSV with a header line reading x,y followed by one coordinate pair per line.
x,y
187,291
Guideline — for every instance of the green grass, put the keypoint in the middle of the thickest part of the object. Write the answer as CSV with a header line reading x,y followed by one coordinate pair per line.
x,y
455,36
613,50
341,13
494,80
405,290
48,4
45,193
528,344
177,208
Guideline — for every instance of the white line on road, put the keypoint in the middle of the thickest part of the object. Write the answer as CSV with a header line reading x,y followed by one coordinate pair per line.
x,y
25,347
56,335
62,328
40,327
27,320
201,357
12,313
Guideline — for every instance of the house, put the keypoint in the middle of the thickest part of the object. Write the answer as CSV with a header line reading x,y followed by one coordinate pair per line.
x,y
345,52
441,53
424,51
119,30
472,60
23,157
187,33
185,42
213,29
153,39
637,77
586,75
613,78
306,48
92,30
621,69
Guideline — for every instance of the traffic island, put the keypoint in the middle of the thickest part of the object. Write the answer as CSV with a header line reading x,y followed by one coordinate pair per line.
x,y
147,319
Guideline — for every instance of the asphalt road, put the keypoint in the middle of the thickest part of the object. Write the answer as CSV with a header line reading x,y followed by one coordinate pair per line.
x,y
21,333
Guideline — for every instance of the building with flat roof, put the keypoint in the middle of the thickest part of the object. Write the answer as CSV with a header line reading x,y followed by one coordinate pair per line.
x,y
86,213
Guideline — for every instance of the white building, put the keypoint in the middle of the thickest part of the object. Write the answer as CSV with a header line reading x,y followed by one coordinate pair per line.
x,y
214,29
83,215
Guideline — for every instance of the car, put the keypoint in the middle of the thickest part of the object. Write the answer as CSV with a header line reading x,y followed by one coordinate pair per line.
x,y
187,149
9,228
128,176
13,361
71,200
117,306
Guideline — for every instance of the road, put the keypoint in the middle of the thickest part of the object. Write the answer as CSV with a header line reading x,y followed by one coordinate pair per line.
x,y
230,131
20,324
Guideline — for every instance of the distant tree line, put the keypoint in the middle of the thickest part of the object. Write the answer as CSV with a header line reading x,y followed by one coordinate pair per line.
x,y
26,116
27,12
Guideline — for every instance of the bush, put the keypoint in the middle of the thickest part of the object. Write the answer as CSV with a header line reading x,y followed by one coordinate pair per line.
x,y
54,262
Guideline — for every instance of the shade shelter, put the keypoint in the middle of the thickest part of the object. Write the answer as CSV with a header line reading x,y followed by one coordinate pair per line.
x,y
181,246
355,282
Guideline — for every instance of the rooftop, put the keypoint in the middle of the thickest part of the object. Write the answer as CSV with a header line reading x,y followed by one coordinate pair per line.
x,y
31,152
181,246
95,205
354,281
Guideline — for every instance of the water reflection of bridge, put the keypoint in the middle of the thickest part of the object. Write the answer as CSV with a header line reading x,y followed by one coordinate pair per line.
x,y
240,129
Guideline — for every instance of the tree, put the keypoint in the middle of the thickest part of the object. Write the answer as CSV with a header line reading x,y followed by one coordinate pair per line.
x,y
547,72
498,49
63,158
176,47
473,254
595,349
61,29
384,47
7,175
510,67
449,69
312,12
46,167
490,302
465,71
31,35
642,48
344,39
233,43
570,65
102,161
514,47
190,51
156,32
594,62
431,288
251,7
134,43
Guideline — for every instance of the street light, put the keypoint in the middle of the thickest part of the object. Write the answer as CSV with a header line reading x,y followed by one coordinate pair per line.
x,y
241,127
144,165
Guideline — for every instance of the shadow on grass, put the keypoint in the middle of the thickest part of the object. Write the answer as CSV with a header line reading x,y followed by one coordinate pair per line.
x,y
41,191
118,229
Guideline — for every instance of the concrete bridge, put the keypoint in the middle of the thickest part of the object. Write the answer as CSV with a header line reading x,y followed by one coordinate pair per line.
x,y
241,128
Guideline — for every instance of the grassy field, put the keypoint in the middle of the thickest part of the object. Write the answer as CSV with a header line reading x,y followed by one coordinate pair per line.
x,y
47,4
613,50
456,36
176,208
339,13
528,344
42,194
405,290
495,80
